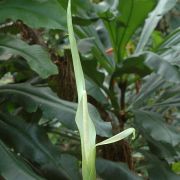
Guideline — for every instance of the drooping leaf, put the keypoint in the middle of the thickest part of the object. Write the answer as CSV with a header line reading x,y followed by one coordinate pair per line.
x,y
52,107
34,13
31,141
11,167
118,137
37,58
112,170
162,8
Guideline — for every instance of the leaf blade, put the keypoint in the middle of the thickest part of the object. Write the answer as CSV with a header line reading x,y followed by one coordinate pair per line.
x,y
32,13
118,137
37,58
162,8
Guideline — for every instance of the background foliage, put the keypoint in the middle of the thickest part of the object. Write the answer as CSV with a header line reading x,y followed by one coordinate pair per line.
x,y
129,51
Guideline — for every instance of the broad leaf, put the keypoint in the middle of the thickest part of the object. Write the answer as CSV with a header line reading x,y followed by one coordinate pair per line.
x,y
147,62
52,107
151,85
162,8
112,170
94,90
30,140
71,164
132,14
123,24
148,122
37,58
35,13
133,65
163,68
11,167
159,170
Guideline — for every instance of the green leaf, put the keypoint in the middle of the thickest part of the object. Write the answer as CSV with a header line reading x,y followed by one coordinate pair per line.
x,y
31,141
71,164
171,40
37,58
148,122
161,143
118,137
113,170
157,39
163,68
94,90
133,65
170,47
148,62
159,170
151,85
91,39
83,21
162,8
52,107
170,97
11,167
176,167
78,6
37,14
33,98
132,14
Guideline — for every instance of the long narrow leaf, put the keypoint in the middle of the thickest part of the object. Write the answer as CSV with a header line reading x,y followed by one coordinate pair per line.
x,y
80,82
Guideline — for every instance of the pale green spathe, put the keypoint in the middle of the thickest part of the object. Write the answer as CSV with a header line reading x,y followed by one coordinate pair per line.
x,y
85,124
